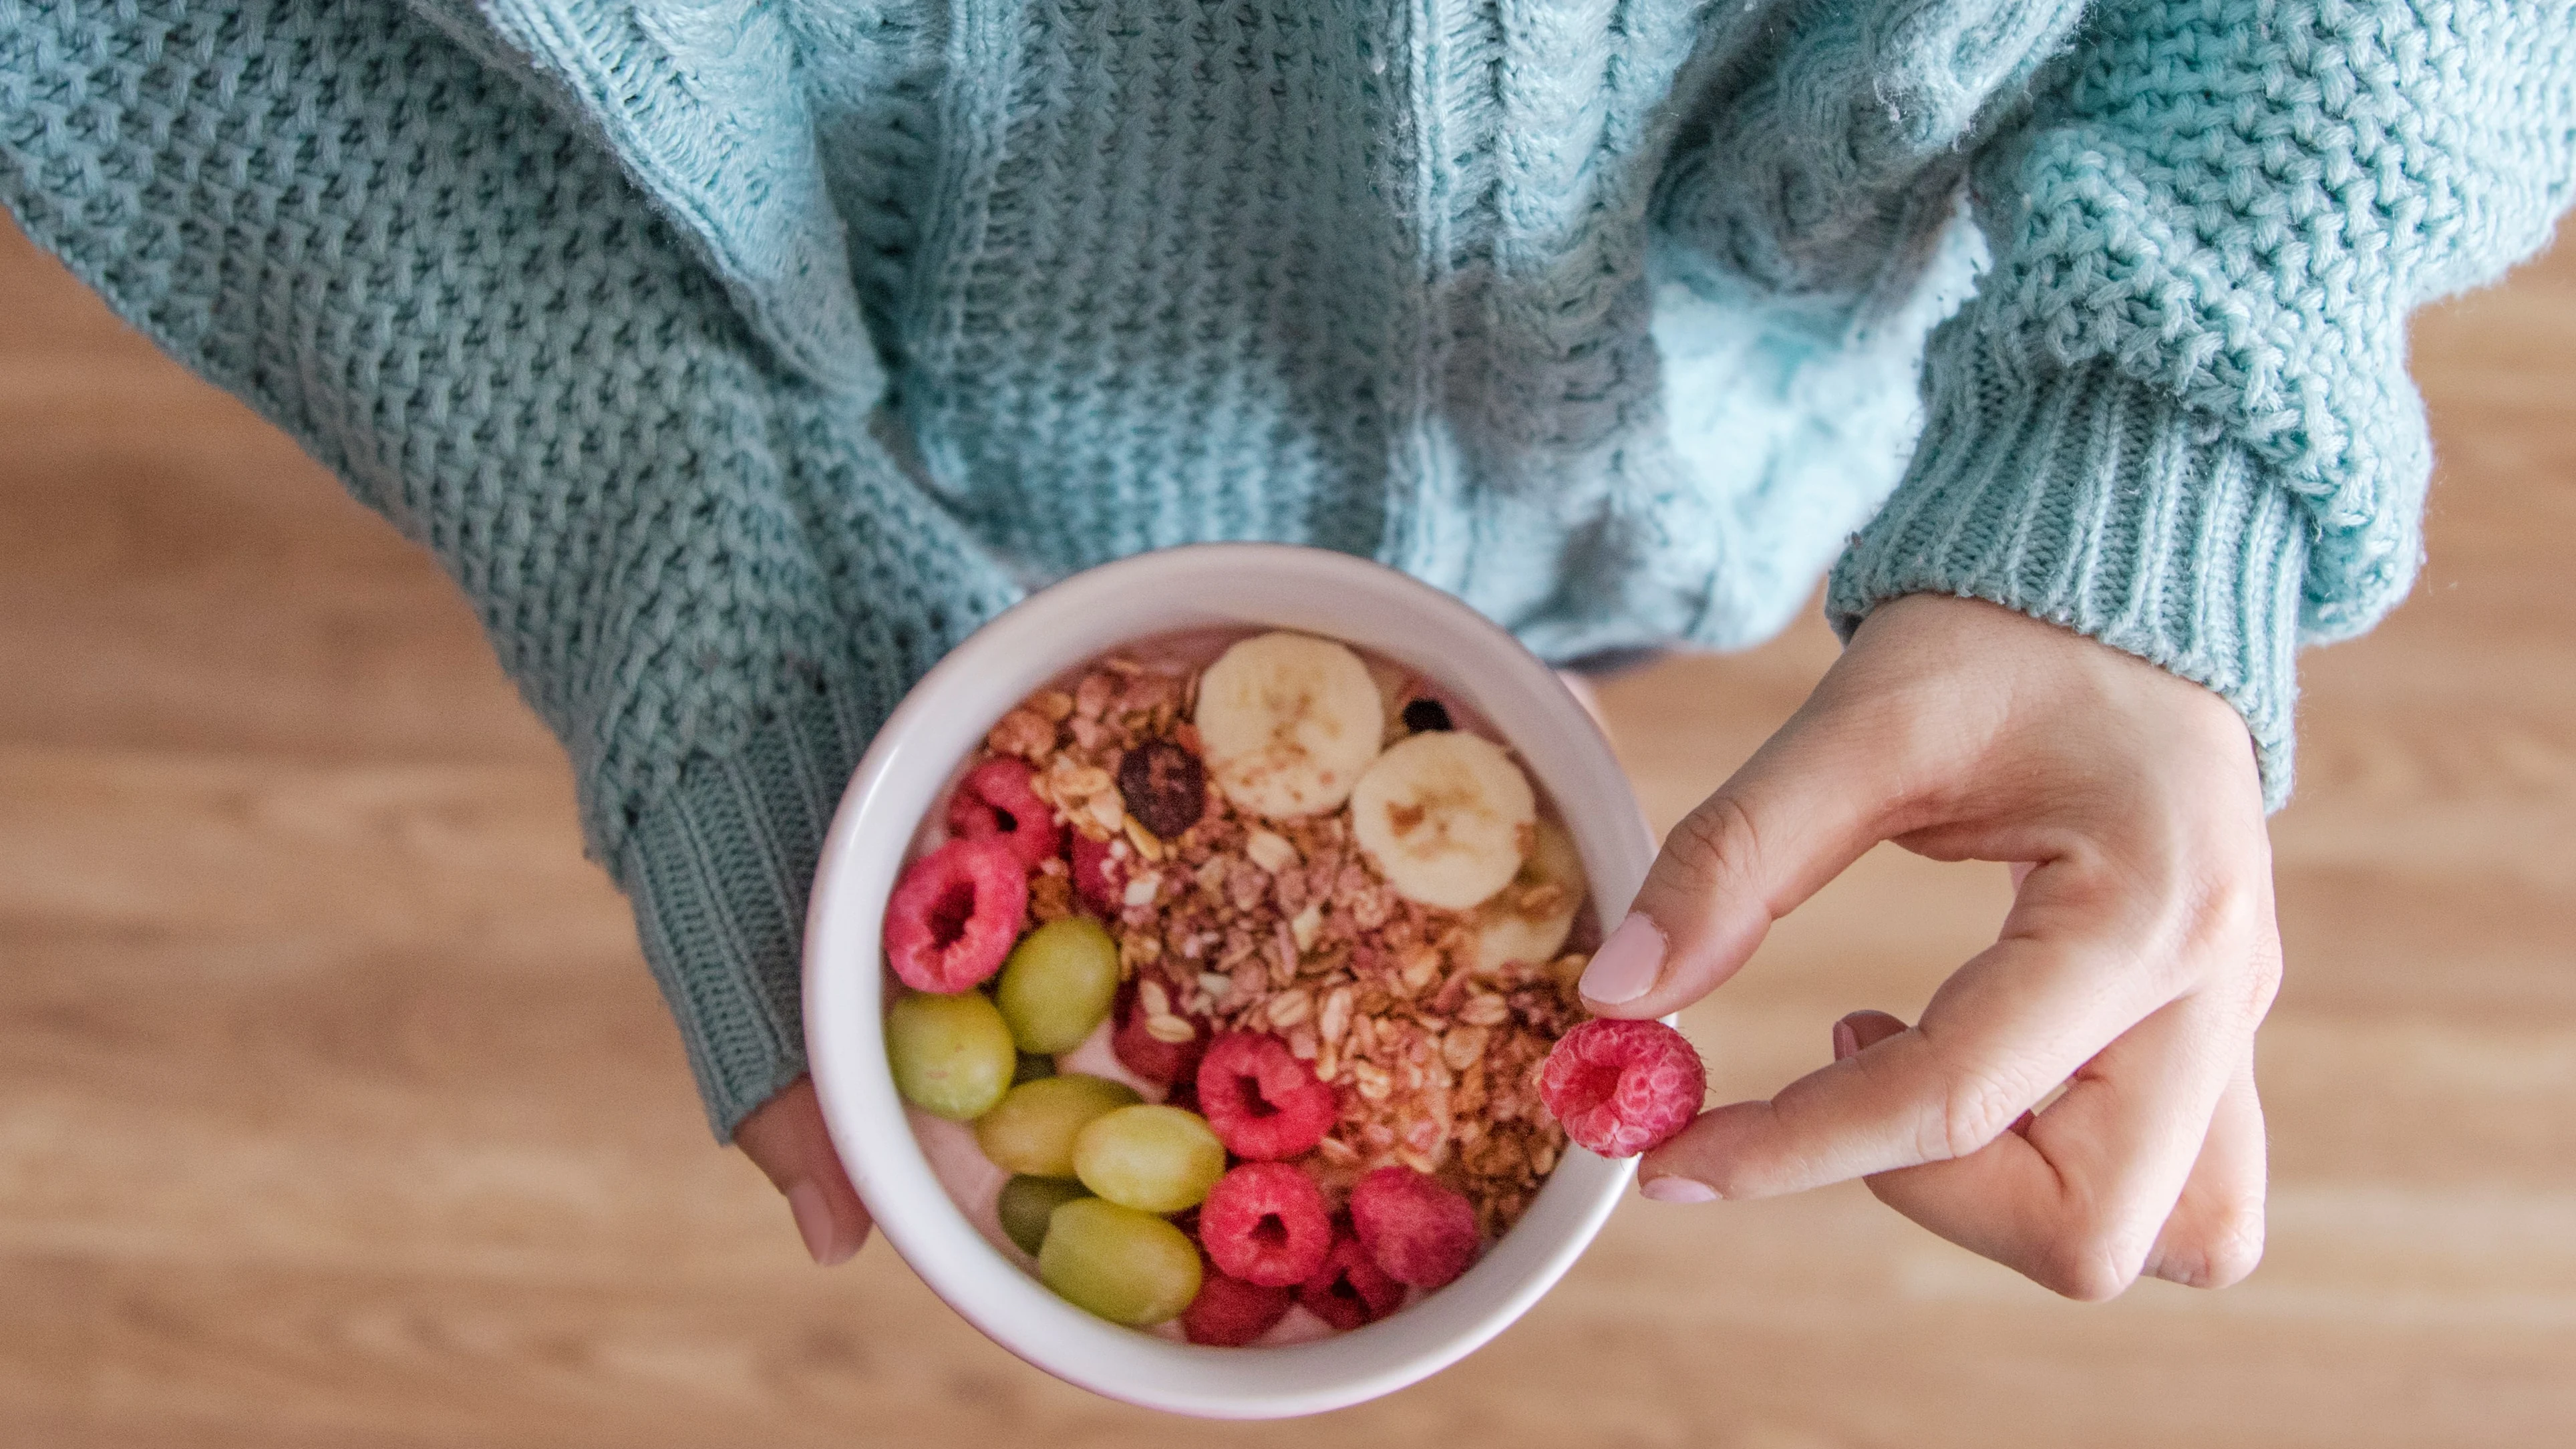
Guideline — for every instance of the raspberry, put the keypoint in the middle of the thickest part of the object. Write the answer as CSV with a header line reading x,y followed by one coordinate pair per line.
x,y
1419,1229
953,916
1350,1289
1265,1104
1147,1055
1097,876
995,800
1264,1223
1621,1087
1230,1312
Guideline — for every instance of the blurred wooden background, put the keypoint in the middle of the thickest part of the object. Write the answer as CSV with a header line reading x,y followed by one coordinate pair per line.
x,y
336,1108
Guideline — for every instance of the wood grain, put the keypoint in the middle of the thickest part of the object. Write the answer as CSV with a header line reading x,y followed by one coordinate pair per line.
x,y
336,1108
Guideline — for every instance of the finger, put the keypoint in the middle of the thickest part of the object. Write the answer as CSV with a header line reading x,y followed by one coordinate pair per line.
x,y
2077,1203
1808,803
785,1138
1862,1030
2215,1236
2002,1033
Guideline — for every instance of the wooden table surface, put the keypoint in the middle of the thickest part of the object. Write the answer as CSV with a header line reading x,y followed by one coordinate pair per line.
x,y
337,1109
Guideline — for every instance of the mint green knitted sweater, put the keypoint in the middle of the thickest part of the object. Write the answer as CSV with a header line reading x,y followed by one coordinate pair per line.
x,y
739,356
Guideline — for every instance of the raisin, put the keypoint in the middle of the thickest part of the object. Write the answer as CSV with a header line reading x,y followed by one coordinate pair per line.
x,y
1424,716
1164,787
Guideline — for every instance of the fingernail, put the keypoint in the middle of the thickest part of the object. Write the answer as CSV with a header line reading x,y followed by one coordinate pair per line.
x,y
1678,1189
814,1223
1627,964
1846,1041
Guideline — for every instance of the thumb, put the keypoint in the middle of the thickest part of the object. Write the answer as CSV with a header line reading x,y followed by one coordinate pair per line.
x,y
785,1138
1807,804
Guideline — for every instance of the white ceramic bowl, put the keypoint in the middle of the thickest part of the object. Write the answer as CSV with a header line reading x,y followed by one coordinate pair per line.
x,y
912,758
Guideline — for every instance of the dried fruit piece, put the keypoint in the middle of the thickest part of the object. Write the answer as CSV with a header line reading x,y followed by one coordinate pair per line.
x,y
1229,1313
1164,787
952,918
1264,1223
1426,716
1419,1229
1264,1103
1622,1087
1350,1290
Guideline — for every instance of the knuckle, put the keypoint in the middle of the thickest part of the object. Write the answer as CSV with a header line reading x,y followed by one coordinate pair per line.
x,y
1975,1109
2222,901
2220,1254
2085,1276
2223,941
2092,1262
2235,1249
1713,845
2262,982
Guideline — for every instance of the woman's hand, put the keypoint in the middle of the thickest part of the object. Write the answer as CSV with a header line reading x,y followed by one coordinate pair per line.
x,y
2139,955
785,1138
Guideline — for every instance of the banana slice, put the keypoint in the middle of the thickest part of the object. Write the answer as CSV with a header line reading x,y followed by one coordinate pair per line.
x,y
1529,919
1447,817
1287,722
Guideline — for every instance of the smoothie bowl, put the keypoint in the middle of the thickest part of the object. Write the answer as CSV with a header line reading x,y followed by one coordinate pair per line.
x,y
1181,967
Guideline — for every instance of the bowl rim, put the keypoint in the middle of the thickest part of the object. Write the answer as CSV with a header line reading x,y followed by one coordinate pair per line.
x,y
843,976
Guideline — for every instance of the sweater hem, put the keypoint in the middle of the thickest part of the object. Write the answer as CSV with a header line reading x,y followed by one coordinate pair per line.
x,y
2085,499
719,872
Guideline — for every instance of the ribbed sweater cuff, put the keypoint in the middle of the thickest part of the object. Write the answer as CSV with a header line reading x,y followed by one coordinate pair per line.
x,y
2085,499
719,871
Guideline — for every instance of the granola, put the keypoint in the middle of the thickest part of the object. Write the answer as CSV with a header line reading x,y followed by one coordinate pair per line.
x,y
1286,927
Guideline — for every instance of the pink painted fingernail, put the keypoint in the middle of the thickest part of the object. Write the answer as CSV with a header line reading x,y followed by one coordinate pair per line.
x,y
1846,1041
1627,964
1678,1189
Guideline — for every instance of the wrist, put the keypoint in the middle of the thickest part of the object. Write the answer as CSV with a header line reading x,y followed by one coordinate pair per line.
x,y
2082,498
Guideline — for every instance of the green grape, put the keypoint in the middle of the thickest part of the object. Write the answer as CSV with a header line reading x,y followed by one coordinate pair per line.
x,y
1031,1067
1032,1130
951,1054
1058,984
1153,1159
1026,1204
1127,1266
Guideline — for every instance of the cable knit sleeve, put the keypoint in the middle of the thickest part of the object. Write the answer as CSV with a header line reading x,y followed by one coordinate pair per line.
x,y
2176,417
701,567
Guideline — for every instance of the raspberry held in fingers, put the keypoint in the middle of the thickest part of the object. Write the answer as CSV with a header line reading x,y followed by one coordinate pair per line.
x,y
1623,1087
